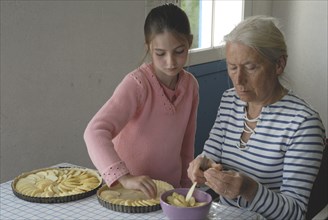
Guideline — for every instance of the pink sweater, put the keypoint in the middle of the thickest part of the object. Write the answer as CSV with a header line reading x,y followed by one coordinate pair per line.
x,y
145,129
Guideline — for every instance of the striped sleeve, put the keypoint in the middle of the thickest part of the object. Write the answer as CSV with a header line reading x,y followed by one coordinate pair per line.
x,y
301,164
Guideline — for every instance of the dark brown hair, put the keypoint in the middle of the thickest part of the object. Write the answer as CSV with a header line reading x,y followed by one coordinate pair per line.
x,y
167,17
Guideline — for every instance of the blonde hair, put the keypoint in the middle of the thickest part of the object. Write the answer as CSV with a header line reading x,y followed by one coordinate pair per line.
x,y
261,33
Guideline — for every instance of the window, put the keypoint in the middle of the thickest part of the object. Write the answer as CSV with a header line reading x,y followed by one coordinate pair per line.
x,y
210,20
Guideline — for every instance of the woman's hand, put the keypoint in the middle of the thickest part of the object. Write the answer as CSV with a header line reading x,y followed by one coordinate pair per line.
x,y
231,184
196,174
142,183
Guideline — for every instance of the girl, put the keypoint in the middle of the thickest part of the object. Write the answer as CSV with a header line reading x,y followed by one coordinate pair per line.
x,y
146,130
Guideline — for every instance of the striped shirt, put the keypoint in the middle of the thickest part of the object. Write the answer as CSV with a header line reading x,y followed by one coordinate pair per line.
x,y
283,155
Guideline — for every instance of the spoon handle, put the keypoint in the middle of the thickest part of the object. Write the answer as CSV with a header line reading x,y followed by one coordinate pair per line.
x,y
203,167
190,192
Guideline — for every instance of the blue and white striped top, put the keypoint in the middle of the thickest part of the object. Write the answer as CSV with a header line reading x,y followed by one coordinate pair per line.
x,y
283,155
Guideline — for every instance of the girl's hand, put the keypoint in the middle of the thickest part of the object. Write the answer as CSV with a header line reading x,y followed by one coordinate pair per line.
x,y
231,184
196,174
142,183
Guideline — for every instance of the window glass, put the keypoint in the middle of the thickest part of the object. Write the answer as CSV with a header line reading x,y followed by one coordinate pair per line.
x,y
192,8
227,15
210,20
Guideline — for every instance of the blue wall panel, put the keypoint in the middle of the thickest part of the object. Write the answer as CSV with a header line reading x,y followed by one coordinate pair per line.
x,y
213,80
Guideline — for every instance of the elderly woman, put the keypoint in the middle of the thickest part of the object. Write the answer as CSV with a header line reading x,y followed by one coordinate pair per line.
x,y
266,144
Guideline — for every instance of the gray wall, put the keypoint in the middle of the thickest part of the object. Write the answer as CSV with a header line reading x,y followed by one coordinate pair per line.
x,y
305,26
61,60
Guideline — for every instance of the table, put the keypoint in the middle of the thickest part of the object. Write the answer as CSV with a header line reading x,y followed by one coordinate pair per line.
x,y
11,207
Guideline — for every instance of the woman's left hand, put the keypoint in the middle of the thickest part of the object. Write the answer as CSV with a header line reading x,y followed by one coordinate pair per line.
x,y
231,184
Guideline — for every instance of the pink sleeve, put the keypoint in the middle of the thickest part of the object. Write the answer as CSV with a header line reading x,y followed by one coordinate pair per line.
x,y
106,124
188,146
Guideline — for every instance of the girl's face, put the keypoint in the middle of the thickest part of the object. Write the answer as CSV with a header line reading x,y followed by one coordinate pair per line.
x,y
169,55
254,77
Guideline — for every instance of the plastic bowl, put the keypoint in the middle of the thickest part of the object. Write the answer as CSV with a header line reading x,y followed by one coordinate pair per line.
x,y
190,213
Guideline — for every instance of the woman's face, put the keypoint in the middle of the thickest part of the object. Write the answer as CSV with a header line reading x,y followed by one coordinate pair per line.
x,y
169,55
254,77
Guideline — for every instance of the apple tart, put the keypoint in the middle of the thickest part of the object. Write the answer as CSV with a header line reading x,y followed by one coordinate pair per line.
x,y
55,185
120,199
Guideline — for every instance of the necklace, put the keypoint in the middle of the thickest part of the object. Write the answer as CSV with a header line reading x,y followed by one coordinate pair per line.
x,y
251,120
243,145
247,120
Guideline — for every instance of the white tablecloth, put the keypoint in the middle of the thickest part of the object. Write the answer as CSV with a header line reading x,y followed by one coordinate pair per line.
x,y
11,207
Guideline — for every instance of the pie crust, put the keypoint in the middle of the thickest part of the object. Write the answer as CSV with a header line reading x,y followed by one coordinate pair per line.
x,y
56,185
120,199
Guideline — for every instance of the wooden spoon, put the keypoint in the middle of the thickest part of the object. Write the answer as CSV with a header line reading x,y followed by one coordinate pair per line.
x,y
191,191
203,167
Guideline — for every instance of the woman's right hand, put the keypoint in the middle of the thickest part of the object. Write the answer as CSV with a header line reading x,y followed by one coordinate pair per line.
x,y
142,183
196,174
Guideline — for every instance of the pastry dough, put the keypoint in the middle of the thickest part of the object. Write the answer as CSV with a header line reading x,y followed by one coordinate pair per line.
x,y
135,198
